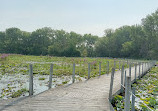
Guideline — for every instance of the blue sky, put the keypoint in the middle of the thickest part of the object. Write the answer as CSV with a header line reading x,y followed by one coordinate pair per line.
x,y
81,16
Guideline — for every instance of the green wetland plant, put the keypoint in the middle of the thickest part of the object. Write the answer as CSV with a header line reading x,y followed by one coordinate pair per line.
x,y
3,62
41,78
61,65
146,90
19,93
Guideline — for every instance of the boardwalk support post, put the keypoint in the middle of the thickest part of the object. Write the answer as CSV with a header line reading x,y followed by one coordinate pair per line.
x,y
127,63
133,99
50,76
142,70
111,84
122,73
130,69
115,64
135,72
127,93
125,78
88,70
119,65
30,80
73,73
139,70
107,67
99,68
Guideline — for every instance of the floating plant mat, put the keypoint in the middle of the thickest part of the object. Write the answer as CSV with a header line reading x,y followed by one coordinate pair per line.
x,y
17,85
146,93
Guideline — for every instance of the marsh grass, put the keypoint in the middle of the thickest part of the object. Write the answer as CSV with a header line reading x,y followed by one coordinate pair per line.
x,y
61,65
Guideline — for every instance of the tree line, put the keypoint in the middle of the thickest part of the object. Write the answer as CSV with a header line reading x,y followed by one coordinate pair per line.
x,y
46,41
136,41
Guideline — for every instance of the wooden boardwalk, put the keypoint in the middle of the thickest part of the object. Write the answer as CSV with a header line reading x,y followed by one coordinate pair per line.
x,y
90,95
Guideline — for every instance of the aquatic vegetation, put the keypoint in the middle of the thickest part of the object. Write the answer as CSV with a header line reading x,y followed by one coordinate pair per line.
x,y
146,90
62,65
65,82
19,93
118,102
3,62
41,78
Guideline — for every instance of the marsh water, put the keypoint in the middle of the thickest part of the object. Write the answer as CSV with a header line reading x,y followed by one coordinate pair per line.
x,y
11,83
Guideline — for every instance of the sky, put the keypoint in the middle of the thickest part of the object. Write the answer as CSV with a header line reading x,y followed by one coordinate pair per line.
x,y
80,16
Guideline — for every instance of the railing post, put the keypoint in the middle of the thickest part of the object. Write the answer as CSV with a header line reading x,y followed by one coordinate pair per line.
x,y
135,72
122,73
127,63
145,67
50,76
73,74
133,99
142,69
125,78
115,64
127,93
149,65
107,67
99,68
119,65
30,80
88,70
130,69
139,70
111,84
123,63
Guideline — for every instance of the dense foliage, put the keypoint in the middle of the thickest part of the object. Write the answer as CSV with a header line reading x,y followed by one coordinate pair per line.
x,y
46,41
137,41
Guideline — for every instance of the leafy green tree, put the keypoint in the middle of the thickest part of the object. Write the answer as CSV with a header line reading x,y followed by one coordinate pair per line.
x,y
150,26
138,42
2,39
13,40
108,32
25,43
64,44
101,47
127,49
89,42
112,42
40,40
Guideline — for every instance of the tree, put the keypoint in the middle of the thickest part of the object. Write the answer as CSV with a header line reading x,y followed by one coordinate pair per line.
x,y
65,44
89,42
2,39
108,32
13,38
40,40
101,47
150,26
127,49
